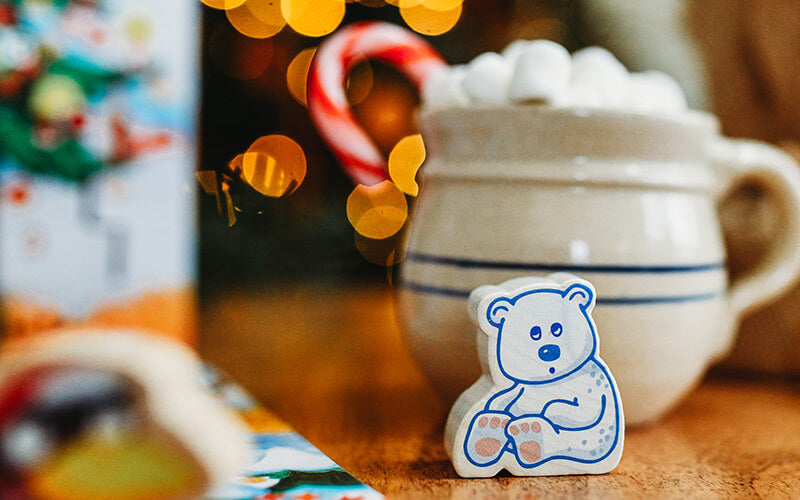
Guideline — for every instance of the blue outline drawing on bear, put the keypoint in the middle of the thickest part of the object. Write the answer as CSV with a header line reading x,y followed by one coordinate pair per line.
x,y
551,400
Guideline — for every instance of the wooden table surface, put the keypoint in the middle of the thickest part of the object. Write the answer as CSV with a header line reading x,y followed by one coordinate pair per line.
x,y
331,362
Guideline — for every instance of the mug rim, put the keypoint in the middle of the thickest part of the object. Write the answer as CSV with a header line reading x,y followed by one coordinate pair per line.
x,y
571,145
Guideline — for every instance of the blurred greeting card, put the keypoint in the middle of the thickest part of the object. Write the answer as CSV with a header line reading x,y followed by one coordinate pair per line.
x,y
97,148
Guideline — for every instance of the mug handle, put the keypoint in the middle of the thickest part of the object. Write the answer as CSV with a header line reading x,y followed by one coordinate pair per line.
x,y
751,161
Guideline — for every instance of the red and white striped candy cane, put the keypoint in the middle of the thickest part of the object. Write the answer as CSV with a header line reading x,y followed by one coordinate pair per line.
x,y
327,102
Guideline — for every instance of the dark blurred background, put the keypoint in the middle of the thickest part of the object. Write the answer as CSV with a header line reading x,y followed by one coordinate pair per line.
x,y
245,95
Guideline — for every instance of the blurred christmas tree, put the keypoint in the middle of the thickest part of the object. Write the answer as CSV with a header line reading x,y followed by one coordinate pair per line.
x,y
45,93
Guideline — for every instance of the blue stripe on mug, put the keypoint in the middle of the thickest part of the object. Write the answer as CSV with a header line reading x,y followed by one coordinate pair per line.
x,y
576,268
617,301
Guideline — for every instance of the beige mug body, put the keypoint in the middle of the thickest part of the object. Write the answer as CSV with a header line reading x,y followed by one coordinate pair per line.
x,y
628,202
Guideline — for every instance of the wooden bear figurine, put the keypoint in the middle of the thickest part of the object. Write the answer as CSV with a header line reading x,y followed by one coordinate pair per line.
x,y
549,405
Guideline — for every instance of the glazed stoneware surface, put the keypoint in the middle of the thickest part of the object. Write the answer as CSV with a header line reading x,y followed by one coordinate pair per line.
x,y
628,202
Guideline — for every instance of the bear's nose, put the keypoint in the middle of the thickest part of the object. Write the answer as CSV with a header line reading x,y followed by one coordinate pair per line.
x,y
549,352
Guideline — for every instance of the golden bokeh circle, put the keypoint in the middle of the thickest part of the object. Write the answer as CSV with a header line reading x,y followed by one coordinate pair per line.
x,y
274,165
257,19
268,11
359,83
440,5
428,21
404,161
377,212
297,74
223,4
386,252
313,17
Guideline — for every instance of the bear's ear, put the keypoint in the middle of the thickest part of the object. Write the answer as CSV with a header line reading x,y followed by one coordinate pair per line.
x,y
497,310
581,293
476,300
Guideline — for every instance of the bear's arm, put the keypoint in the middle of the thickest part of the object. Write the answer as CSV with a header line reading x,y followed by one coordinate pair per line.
x,y
575,414
502,400
582,401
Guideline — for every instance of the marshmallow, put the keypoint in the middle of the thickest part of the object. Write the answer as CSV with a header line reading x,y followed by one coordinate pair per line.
x,y
487,79
445,89
541,73
655,91
598,68
514,49
581,95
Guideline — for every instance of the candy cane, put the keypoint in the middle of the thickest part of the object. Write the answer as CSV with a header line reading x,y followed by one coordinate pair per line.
x,y
328,104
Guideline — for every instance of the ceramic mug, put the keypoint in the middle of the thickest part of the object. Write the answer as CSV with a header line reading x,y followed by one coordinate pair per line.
x,y
628,202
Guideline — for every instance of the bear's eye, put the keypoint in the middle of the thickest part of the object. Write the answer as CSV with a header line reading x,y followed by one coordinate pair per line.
x,y
536,333
556,329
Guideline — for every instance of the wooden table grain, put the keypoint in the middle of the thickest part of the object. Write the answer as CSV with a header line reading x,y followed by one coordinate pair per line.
x,y
330,360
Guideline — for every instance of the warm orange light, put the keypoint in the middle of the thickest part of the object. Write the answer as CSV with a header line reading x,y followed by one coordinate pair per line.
x,y
257,18
229,208
274,165
297,74
223,4
404,161
378,211
428,21
385,252
268,11
208,180
313,17
440,5
359,83
237,56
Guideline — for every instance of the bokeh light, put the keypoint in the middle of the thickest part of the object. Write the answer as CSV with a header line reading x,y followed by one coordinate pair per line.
x,y
387,113
274,165
223,4
207,180
440,5
228,201
297,74
426,20
404,161
313,17
385,252
138,29
377,212
359,83
57,97
257,18
239,57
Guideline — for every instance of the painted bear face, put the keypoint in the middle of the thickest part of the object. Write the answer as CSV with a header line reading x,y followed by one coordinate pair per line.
x,y
542,334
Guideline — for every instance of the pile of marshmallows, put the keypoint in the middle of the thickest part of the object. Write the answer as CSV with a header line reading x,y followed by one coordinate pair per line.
x,y
543,72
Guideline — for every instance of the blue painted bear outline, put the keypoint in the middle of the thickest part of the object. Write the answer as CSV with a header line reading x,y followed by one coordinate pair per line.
x,y
569,289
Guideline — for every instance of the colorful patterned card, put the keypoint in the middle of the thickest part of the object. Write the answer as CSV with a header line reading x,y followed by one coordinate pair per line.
x,y
284,465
